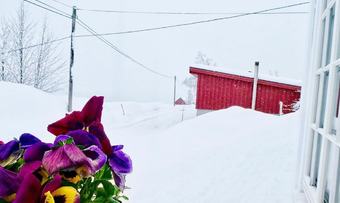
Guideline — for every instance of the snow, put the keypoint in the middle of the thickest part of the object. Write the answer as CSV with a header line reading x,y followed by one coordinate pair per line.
x,y
232,155
249,73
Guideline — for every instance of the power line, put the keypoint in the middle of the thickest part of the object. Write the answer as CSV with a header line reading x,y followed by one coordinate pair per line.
x,y
36,45
198,22
186,13
94,33
56,12
60,11
140,30
61,3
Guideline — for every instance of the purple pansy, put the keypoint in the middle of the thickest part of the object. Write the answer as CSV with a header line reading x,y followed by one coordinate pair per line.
x,y
26,140
66,157
9,182
36,151
7,149
120,164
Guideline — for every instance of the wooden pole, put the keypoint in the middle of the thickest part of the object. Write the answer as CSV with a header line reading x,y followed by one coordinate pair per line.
x,y
256,78
70,87
174,90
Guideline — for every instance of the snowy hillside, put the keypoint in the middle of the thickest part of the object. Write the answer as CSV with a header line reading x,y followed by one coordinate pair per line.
x,y
233,155
25,109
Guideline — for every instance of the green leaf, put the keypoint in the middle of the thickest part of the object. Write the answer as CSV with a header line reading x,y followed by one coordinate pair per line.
x,y
109,188
124,197
107,173
2,201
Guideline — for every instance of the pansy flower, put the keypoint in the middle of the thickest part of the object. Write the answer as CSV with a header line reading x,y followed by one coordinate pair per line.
x,y
89,119
54,192
9,183
121,164
70,161
12,150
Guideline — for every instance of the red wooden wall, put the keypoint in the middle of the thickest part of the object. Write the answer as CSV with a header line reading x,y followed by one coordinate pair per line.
x,y
217,90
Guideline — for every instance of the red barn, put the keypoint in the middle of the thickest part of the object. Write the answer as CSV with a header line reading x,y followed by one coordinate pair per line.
x,y
219,90
180,101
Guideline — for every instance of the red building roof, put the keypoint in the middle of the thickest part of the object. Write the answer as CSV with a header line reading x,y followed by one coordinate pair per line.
x,y
218,90
180,101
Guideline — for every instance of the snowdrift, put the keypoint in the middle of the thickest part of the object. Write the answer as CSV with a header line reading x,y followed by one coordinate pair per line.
x,y
233,155
26,109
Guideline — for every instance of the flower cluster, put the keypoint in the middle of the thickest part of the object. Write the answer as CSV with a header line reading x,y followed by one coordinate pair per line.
x,y
80,166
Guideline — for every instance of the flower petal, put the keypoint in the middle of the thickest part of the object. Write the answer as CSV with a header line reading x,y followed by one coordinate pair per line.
x,y
117,147
73,121
53,185
84,138
29,190
97,130
29,168
66,194
26,140
65,157
36,152
7,149
92,110
120,162
119,180
1,142
9,182
97,156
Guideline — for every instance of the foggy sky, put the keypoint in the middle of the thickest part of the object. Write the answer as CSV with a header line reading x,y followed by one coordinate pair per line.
x,y
277,41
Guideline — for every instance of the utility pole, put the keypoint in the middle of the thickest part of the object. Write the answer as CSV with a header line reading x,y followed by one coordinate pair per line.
x,y
256,78
70,85
174,90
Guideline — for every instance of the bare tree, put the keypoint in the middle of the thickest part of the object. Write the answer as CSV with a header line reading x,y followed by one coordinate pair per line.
x,y
191,84
4,46
22,34
49,68
203,59
40,66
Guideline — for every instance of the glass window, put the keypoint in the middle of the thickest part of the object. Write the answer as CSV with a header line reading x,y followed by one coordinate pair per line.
x,y
324,99
316,96
321,63
331,166
330,35
336,103
337,190
317,141
325,3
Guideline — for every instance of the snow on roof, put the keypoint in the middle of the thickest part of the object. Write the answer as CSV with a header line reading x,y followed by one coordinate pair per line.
x,y
250,74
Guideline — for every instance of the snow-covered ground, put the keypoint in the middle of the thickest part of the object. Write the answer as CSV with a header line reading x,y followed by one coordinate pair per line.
x,y
233,155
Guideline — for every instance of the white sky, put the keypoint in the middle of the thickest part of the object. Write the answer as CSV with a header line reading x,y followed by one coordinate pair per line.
x,y
277,41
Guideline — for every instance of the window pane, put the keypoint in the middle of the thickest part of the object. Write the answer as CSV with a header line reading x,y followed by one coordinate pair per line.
x,y
325,3
336,103
337,195
324,99
316,96
316,158
330,35
321,63
332,150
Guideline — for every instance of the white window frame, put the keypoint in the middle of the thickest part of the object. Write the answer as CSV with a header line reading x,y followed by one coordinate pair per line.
x,y
313,128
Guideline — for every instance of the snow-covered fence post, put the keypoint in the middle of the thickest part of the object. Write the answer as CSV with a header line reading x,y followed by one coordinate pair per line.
x,y
256,78
281,108
121,105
